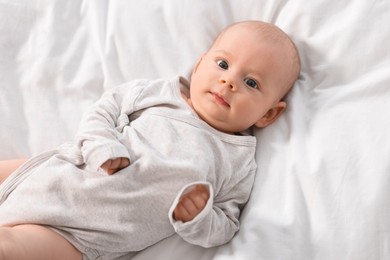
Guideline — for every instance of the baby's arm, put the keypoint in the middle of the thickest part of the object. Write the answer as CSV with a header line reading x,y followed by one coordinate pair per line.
x,y
97,136
217,223
100,130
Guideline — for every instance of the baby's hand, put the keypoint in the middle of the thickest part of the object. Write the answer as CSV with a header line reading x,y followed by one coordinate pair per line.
x,y
191,203
113,165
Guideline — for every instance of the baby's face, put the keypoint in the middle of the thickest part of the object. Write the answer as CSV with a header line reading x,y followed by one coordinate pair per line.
x,y
238,81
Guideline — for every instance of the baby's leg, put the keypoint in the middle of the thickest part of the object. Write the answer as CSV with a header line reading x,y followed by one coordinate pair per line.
x,y
8,166
34,242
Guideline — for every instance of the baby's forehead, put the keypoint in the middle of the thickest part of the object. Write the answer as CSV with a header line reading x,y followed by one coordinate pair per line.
x,y
268,34
248,39
261,31
236,33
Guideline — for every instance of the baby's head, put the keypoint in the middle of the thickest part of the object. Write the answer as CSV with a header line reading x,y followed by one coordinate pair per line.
x,y
242,79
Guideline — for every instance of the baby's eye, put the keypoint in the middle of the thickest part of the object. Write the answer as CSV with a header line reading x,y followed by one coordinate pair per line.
x,y
251,83
223,64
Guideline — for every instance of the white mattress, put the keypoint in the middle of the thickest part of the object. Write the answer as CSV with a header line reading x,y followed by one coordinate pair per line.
x,y
323,185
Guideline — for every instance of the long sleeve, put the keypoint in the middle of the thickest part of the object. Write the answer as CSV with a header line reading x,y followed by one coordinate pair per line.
x,y
219,220
97,136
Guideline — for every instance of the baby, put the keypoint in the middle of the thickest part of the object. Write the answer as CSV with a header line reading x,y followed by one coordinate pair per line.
x,y
154,157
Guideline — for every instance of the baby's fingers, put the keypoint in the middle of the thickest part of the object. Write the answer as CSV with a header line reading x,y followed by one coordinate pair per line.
x,y
113,165
124,162
203,191
118,164
198,199
191,203
181,214
106,165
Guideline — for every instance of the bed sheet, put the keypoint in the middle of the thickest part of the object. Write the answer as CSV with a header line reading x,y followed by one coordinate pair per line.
x,y
322,186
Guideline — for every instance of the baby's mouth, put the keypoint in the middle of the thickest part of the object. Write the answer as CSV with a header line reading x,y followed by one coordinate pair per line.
x,y
219,99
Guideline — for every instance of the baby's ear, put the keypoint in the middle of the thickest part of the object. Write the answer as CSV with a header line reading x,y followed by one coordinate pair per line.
x,y
271,114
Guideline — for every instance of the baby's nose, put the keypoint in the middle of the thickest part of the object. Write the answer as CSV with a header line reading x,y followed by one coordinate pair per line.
x,y
228,82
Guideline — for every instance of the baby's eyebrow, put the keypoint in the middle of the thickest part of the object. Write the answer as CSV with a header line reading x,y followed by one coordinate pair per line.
x,y
223,51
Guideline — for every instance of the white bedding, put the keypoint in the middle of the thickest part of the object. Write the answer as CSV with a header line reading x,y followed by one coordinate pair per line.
x,y
323,184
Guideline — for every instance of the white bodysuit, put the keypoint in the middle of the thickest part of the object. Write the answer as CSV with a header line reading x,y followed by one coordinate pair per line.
x,y
170,149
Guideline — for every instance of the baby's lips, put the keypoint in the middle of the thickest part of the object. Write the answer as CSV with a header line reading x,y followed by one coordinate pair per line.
x,y
220,99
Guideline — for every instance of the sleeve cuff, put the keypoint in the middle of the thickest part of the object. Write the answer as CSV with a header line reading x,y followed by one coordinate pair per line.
x,y
97,157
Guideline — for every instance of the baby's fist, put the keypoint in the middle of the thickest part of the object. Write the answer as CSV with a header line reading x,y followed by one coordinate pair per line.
x,y
113,165
191,203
